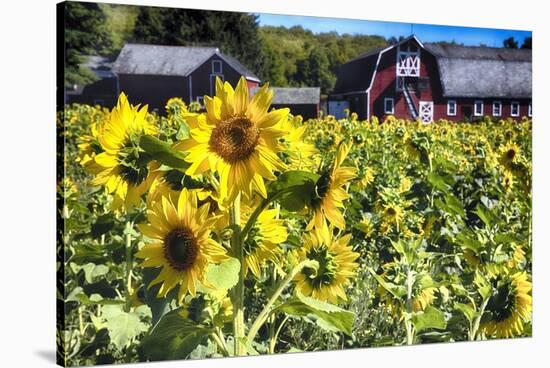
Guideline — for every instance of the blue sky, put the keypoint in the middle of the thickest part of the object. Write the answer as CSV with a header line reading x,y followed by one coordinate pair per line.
x,y
427,33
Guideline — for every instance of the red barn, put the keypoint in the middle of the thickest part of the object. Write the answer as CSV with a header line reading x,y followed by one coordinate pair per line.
x,y
152,74
412,80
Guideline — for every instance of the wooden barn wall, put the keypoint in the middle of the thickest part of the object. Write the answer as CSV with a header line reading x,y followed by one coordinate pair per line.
x,y
201,78
102,92
154,90
465,109
308,111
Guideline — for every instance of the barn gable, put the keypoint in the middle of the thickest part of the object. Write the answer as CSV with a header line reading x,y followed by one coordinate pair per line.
x,y
357,75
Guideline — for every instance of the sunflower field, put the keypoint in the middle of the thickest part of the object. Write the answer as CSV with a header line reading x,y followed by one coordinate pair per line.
x,y
241,230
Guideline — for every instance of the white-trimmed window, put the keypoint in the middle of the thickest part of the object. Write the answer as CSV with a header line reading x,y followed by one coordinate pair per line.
x,y
216,66
530,111
478,108
388,105
514,109
497,108
451,108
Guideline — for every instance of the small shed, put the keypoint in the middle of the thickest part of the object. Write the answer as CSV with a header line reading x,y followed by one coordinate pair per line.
x,y
152,74
300,100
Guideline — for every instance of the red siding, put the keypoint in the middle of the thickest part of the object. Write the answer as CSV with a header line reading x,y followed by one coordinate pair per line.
x,y
384,85
252,84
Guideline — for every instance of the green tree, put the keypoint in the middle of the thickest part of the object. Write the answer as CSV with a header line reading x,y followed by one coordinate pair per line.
x,y
527,43
510,43
85,34
234,33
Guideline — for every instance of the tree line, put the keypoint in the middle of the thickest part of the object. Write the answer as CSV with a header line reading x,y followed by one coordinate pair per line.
x,y
283,56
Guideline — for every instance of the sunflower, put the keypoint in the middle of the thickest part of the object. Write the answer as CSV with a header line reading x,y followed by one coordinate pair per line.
x,y
510,154
300,153
330,194
337,267
392,215
123,167
88,148
263,241
175,106
509,306
236,138
423,298
367,179
180,243
508,180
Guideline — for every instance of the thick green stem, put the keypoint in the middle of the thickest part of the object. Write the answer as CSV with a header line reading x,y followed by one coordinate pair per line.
x,y
264,314
408,324
475,327
218,339
238,291
128,252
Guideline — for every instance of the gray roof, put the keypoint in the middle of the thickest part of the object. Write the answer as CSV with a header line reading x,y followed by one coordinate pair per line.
x,y
170,60
483,71
100,65
293,96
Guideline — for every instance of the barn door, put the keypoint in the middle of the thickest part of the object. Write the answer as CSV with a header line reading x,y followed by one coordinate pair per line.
x,y
336,108
426,111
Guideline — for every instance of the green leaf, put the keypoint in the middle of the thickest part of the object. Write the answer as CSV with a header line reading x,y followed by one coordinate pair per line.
x,y
438,182
397,291
329,317
174,337
467,310
159,306
124,326
103,224
163,152
225,275
298,188
429,318
93,271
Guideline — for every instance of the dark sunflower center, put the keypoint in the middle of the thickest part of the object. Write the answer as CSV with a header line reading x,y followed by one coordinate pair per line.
x,y
234,139
327,267
390,212
181,249
502,303
511,154
323,185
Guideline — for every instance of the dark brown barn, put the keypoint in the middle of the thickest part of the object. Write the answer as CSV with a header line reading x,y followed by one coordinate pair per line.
x,y
412,80
101,92
151,74
301,101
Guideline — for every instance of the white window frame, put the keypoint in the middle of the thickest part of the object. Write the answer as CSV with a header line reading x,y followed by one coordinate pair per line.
x,y
449,103
512,109
499,104
476,113
530,111
386,99
217,62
